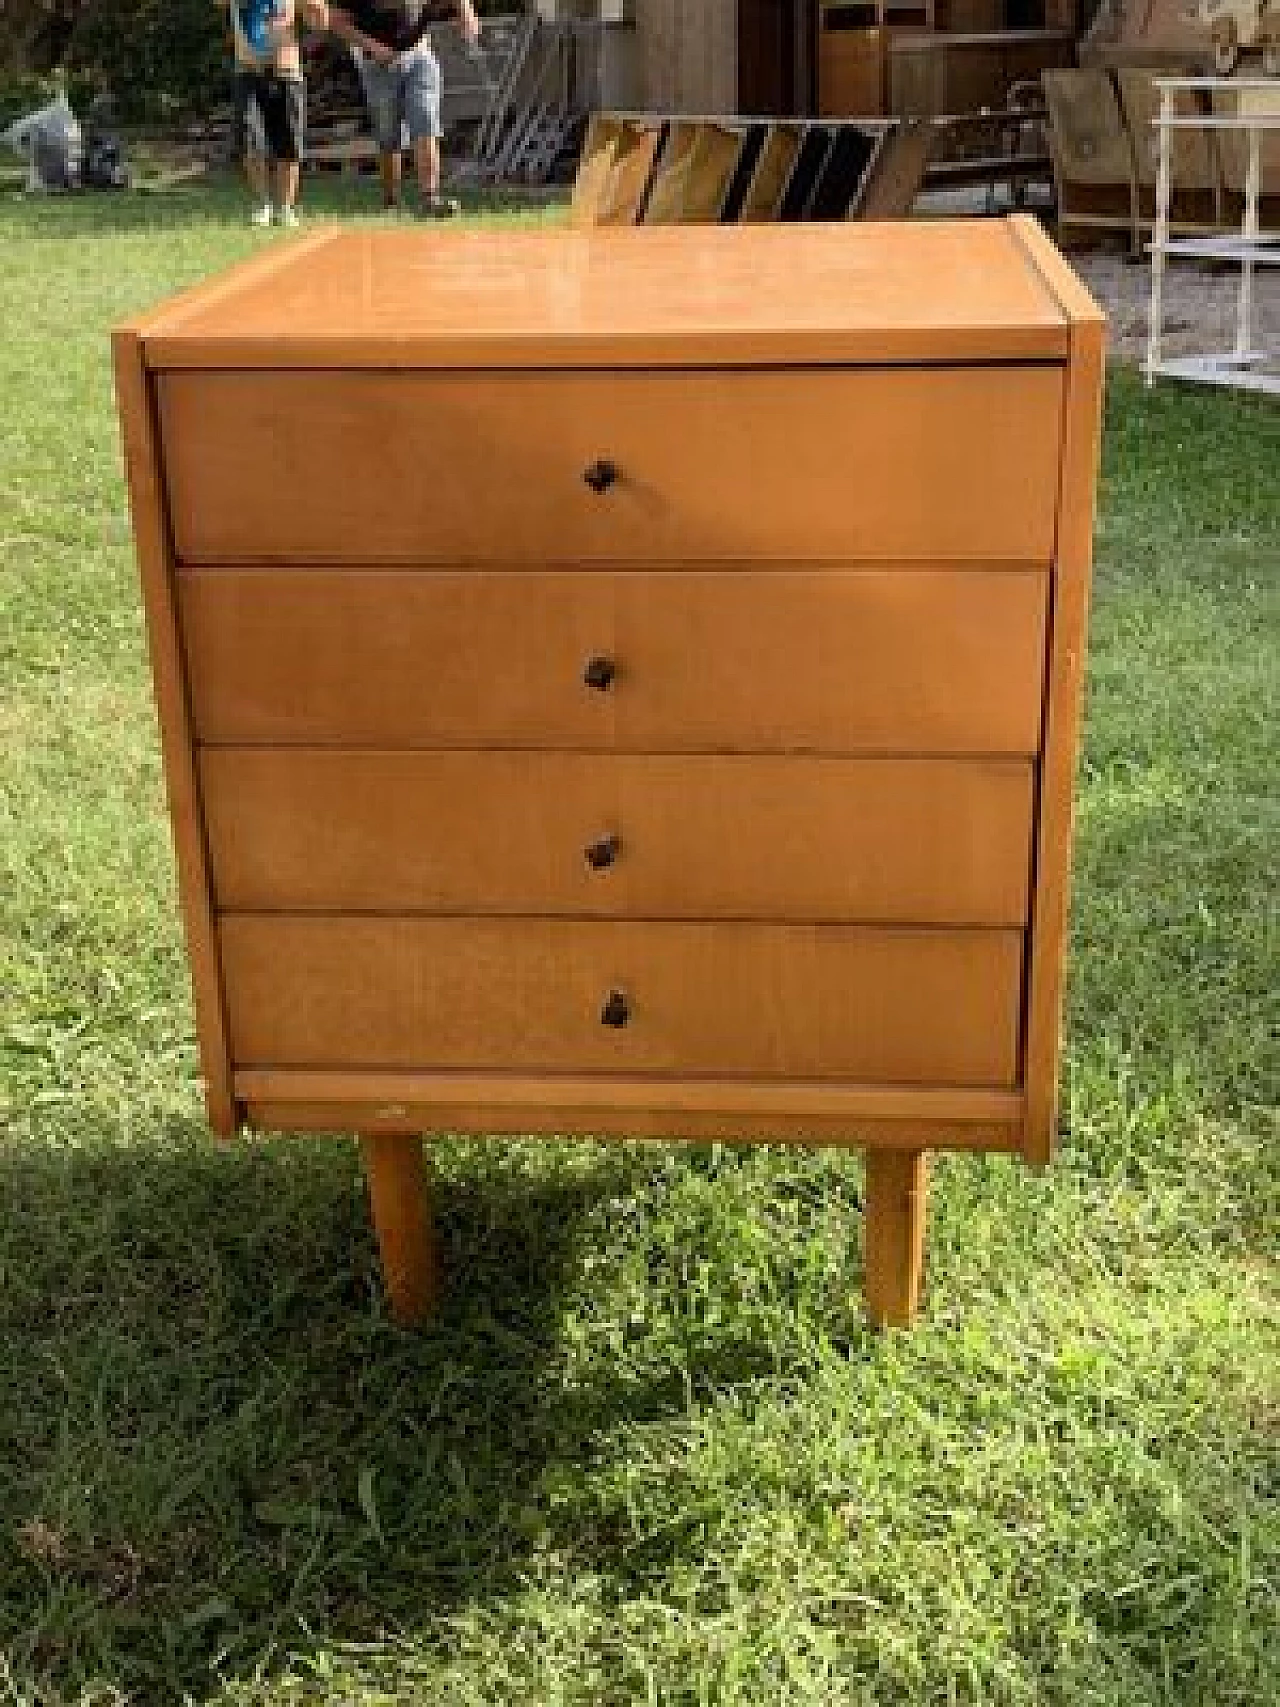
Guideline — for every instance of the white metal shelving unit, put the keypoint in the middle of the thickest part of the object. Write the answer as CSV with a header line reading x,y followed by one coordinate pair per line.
x,y
1257,110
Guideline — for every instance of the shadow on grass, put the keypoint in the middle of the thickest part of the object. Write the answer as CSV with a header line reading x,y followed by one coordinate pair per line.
x,y
218,1447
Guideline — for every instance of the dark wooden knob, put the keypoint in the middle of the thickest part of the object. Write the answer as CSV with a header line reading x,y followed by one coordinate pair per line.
x,y
603,852
600,674
601,475
616,1011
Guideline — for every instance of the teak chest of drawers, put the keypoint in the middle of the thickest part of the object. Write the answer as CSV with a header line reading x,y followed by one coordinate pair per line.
x,y
622,684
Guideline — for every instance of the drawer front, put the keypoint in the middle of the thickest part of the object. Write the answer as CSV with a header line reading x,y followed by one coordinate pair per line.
x,y
806,661
877,1005
817,464
907,840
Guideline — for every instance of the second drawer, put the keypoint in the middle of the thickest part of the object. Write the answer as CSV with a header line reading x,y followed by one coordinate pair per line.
x,y
931,841
879,660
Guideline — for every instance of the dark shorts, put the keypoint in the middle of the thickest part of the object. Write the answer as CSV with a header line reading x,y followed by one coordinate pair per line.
x,y
270,115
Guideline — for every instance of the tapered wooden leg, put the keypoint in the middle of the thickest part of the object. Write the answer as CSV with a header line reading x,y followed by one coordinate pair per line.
x,y
897,1187
396,1172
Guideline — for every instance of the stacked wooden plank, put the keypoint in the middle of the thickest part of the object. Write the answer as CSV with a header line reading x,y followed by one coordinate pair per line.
x,y
1102,142
659,169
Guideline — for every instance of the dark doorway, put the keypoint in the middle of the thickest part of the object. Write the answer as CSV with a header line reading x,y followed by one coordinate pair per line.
x,y
776,57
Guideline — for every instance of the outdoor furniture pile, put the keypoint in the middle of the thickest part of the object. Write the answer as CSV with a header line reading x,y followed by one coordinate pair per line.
x,y
1105,151
661,169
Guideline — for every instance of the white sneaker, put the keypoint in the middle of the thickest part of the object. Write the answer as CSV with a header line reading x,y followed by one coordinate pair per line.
x,y
261,215
288,217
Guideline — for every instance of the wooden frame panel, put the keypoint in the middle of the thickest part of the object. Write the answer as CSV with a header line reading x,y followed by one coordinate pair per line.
x,y
155,566
736,1111
1082,435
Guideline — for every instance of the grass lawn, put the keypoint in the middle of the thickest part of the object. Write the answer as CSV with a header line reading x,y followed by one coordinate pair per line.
x,y
650,1452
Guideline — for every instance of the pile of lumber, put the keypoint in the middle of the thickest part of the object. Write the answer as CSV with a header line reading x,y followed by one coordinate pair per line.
x,y
1103,142
664,169
962,65
934,58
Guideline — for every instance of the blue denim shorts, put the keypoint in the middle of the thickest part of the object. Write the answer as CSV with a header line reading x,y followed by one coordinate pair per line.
x,y
403,99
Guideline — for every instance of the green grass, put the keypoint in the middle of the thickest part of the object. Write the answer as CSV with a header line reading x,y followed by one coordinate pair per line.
x,y
650,1452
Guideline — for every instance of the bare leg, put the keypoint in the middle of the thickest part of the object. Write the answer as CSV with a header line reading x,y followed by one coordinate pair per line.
x,y
427,156
287,180
389,172
396,1174
897,1183
257,172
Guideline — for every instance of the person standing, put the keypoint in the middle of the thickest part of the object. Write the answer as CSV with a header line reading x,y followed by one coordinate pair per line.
x,y
391,44
271,100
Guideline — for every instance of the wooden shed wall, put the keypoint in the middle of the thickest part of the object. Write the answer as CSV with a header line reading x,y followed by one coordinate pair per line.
x,y
689,55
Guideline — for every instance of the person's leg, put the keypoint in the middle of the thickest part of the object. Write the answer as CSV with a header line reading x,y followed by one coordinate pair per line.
x,y
422,114
382,97
288,180
251,143
389,175
258,173
426,153
288,147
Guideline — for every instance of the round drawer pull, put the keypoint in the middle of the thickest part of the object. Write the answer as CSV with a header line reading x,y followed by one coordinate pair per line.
x,y
603,852
600,674
601,475
616,1011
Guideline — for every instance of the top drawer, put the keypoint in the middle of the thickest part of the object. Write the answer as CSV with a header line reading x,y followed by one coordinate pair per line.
x,y
820,464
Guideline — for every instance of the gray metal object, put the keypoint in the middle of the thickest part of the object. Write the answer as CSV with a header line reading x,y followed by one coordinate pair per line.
x,y
52,144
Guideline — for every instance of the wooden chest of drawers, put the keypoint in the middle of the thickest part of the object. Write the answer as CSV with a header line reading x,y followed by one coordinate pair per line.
x,y
624,684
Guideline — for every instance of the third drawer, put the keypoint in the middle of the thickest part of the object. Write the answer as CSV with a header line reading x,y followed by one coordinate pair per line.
x,y
931,841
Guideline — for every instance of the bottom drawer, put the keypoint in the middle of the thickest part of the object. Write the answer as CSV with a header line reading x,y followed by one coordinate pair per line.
x,y
880,1005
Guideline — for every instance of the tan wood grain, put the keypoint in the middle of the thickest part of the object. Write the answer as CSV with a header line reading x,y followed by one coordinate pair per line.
x,y
781,295
396,1174
693,174
1067,658
849,465
225,289
151,536
894,1221
936,661
1060,278
872,840
747,1110
772,172
632,164
651,1119
910,1006
841,1107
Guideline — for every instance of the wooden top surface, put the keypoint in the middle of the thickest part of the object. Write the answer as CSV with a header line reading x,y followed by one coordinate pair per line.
x,y
912,292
